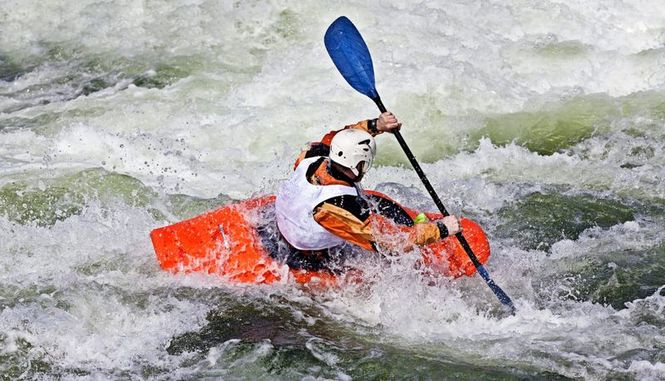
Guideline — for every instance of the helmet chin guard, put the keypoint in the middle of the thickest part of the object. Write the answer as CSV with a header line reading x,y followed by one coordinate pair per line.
x,y
353,149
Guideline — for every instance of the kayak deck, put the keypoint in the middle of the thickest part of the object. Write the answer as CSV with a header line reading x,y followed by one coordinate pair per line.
x,y
225,242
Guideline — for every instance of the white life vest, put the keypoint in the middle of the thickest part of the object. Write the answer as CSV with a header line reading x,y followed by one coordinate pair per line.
x,y
294,208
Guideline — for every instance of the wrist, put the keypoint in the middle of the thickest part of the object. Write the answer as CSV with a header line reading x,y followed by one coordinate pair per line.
x,y
443,230
372,127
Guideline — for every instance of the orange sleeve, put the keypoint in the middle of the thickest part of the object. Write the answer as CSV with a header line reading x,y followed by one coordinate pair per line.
x,y
366,125
376,230
425,233
345,225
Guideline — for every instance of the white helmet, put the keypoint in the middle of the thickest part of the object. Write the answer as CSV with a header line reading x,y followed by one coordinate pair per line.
x,y
351,147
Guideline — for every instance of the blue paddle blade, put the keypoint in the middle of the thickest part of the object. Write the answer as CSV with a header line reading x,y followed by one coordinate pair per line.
x,y
349,52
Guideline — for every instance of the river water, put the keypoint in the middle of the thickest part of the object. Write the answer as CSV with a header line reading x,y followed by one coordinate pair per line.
x,y
542,120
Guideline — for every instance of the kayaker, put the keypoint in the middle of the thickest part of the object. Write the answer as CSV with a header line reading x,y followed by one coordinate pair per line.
x,y
321,207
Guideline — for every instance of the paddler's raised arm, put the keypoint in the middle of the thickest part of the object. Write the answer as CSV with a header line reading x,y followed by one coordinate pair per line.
x,y
386,122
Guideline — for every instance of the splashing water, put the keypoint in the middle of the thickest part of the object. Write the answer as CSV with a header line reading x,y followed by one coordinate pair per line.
x,y
543,121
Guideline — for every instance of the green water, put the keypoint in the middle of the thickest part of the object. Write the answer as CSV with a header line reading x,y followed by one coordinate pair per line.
x,y
542,121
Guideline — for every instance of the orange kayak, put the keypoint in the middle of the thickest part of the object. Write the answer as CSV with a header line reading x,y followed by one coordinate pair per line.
x,y
226,242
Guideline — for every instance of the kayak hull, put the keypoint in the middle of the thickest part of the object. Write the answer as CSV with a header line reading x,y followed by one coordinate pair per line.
x,y
225,242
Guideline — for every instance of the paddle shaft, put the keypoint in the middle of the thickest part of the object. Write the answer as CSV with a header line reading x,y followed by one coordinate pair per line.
x,y
349,52
503,297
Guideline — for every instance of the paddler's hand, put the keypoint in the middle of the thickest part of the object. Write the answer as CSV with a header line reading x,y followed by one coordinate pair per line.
x,y
388,122
448,226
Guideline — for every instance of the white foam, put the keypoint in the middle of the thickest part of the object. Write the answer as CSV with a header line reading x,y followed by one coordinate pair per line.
x,y
233,123
257,85
647,371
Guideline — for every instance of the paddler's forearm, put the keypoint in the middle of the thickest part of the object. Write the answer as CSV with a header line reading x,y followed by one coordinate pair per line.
x,y
366,125
425,233
321,148
392,236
